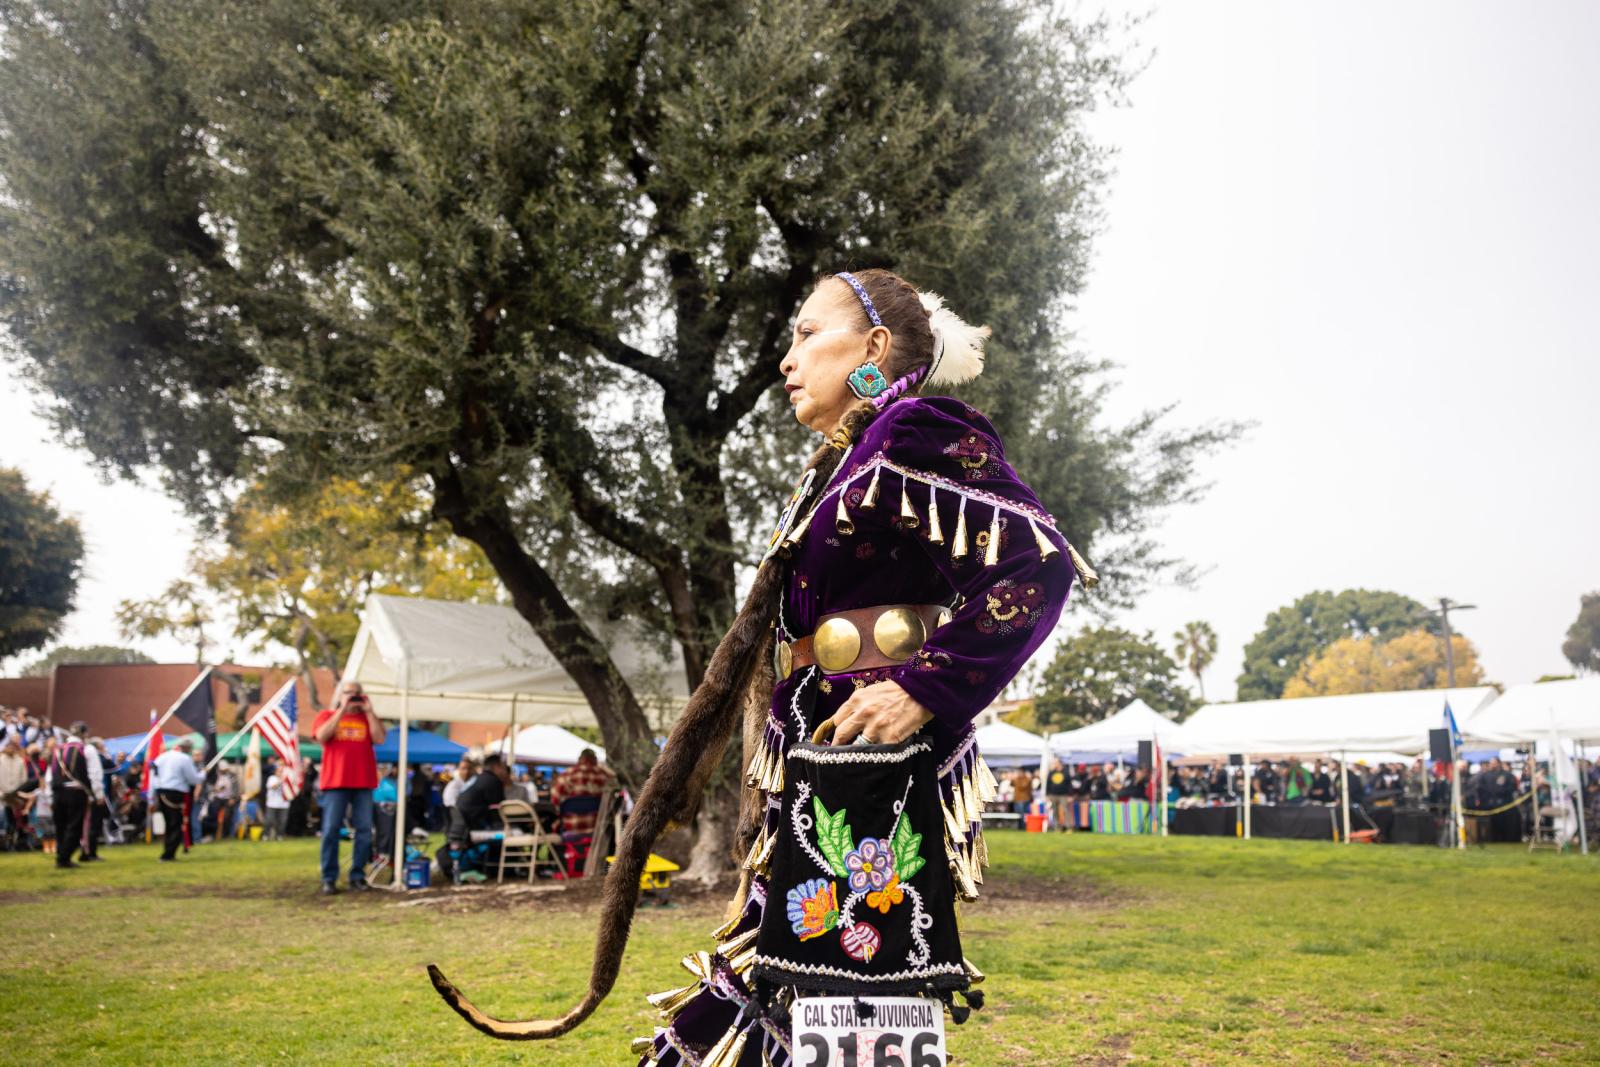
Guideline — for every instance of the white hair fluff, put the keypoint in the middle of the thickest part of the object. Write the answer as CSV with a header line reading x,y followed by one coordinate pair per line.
x,y
958,345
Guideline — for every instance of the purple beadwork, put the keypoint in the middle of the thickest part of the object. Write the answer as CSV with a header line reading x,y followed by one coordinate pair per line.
x,y
861,291
899,387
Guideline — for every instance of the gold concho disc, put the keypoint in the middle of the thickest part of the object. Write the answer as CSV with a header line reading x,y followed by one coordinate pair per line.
x,y
783,660
898,633
837,645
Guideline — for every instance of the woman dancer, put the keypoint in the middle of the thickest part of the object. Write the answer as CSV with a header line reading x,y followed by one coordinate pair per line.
x,y
909,578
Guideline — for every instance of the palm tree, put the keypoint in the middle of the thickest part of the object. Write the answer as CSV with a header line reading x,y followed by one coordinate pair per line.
x,y
1196,648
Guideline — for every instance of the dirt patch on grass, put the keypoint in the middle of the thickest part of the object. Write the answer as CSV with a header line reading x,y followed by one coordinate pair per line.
x,y
1012,890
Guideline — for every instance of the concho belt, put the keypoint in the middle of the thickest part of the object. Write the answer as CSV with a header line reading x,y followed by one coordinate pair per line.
x,y
884,635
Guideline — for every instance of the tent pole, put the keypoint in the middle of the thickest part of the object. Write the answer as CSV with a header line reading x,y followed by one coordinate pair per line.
x,y
1344,792
1248,796
1456,815
399,881
1583,833
1161,796
511,739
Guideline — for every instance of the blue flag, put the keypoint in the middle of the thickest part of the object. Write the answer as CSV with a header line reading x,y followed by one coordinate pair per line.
x,y
1450,724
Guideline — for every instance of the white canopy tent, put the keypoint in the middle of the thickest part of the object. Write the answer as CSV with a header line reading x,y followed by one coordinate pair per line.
x,y
444,661
1122,732
1350,723
1005,745
1344,725
1570,709
547,744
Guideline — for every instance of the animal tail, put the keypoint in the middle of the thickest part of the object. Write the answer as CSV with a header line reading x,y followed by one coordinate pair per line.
x,y
672,790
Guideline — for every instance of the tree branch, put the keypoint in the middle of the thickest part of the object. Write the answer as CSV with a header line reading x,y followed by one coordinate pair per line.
x,y
621,353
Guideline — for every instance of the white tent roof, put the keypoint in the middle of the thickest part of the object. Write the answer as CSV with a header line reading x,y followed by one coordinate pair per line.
x,y
1004,743
1122,732
544,744
1531,712
1390,722
478,662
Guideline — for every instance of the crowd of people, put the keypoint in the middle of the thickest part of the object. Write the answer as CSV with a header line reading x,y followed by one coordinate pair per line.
x,y
62,793
1490,788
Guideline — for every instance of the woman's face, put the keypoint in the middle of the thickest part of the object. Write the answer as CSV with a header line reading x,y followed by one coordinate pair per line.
x,y
828,344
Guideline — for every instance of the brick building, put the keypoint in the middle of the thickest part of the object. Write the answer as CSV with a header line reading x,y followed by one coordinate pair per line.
x,y
116,698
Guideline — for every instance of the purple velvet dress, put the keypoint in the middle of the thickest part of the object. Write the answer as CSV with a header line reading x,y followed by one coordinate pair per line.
x,y
923,509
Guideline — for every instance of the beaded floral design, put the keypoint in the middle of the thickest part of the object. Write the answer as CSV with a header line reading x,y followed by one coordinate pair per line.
x,y
813,908
976,455
1009,607
871,864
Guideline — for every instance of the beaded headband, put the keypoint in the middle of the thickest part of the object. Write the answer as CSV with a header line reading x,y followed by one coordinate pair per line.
x,y
861,291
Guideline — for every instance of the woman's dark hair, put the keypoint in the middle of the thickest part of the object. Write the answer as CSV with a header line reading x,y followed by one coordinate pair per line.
x,y
737,680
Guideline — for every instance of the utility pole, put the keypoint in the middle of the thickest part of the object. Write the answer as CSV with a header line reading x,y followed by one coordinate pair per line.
x,y
1446,606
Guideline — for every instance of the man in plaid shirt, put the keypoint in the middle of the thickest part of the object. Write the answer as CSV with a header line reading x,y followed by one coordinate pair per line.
x,y
587,779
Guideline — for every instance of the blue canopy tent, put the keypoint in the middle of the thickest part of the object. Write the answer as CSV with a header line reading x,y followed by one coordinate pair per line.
x,y
421,747
122,746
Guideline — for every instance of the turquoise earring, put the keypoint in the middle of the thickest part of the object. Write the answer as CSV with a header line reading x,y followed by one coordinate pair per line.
x,y
867,381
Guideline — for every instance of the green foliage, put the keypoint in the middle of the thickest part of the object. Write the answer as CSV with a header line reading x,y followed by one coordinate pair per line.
x,y
297,572
834,838
545,255
1582,646
181,610
1293,634
1101,670
1195,647
907,848
63,654
41,558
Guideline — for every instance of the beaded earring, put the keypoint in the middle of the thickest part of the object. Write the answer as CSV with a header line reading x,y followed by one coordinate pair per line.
x,y
867,381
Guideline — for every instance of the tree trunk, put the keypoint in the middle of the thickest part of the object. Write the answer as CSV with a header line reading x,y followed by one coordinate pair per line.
x,y
629,747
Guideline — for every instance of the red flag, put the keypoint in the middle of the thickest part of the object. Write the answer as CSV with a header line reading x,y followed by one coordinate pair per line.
x,y
151,751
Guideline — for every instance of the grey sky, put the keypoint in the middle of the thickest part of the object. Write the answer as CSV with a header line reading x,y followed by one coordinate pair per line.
x,y
1369,227
1372,228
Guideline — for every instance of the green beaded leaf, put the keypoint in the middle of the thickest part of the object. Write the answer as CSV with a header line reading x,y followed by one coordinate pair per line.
x,y
907,850
834,839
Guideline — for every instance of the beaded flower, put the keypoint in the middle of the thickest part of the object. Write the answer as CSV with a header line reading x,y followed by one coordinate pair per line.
x,y
871,864
813,908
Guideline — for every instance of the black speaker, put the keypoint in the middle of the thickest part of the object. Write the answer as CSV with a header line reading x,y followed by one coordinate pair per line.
x,y
1439,746
1147,755
1236,760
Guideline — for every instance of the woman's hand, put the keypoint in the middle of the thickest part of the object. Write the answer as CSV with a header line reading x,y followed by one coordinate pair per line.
x,y
884,713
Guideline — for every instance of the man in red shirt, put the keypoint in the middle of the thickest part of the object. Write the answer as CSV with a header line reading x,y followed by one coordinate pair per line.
x,y
347,732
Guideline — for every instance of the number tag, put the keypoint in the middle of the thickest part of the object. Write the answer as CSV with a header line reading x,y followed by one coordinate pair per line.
x,y
902,1032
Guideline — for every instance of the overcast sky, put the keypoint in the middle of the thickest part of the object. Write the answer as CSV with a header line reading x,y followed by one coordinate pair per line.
x,y
1372,229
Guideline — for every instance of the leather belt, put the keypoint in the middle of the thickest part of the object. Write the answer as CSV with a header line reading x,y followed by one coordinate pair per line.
x,y
884,635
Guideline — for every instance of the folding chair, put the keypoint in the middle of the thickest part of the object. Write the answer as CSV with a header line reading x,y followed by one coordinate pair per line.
x,y
525,841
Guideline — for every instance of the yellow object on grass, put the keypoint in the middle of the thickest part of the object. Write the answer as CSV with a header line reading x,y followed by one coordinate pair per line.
x,y
657,872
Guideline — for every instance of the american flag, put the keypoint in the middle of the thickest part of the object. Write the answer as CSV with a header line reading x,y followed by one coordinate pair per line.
x,y
276,721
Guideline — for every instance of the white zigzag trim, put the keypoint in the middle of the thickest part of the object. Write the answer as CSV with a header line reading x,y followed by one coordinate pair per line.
x,y
851,754
837,972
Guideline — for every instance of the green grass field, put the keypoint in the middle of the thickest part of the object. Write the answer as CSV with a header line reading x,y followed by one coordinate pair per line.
x,y
1099,950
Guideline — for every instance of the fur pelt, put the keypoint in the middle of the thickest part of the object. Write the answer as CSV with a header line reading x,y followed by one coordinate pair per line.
x,y
691,754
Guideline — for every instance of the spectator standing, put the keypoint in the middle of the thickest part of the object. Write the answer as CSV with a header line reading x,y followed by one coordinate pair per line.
x,y
176,780
347,733
16,780
1021,791
384,800
1058,791
75,783
586,779
276,805
224,792
1321,791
